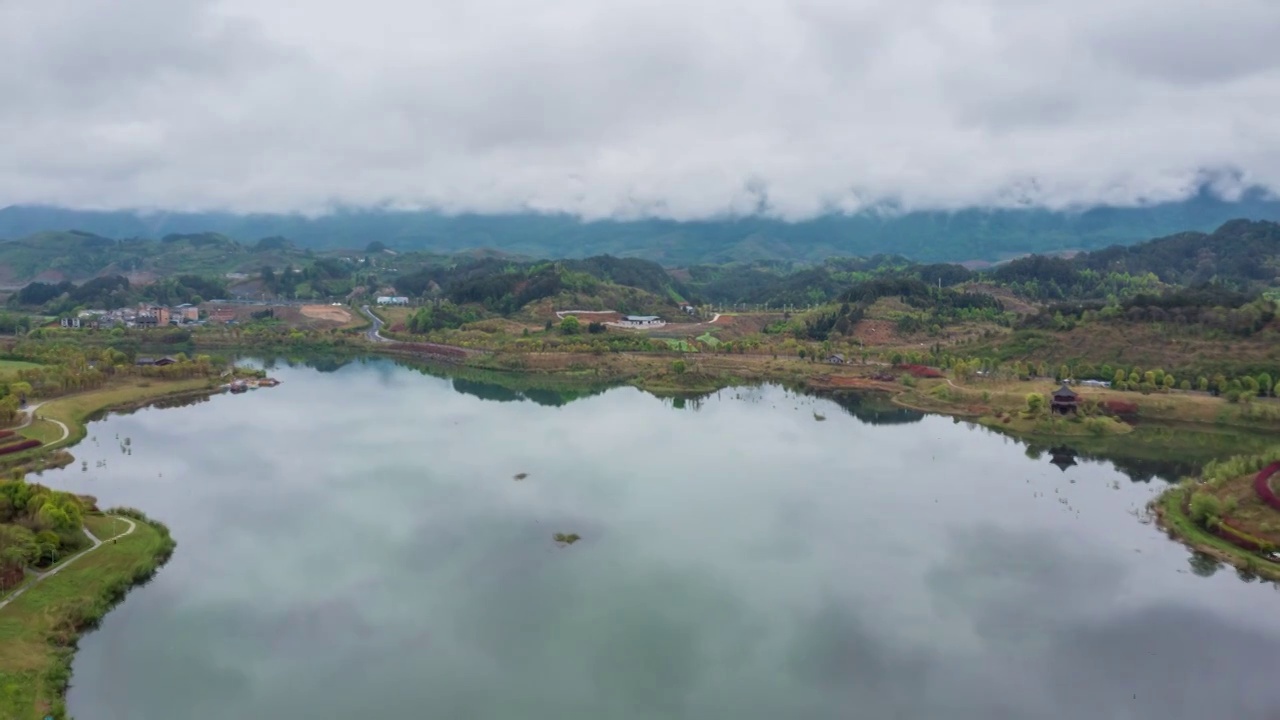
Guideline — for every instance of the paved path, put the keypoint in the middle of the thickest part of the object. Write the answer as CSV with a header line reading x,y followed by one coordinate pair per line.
x,y
374,334
31,417
40,576
31,414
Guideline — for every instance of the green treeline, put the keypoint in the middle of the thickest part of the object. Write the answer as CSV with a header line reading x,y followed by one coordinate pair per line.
x,y
38,527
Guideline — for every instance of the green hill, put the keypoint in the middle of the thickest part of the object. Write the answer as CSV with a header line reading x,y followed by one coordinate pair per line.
x,y
926,236
76,256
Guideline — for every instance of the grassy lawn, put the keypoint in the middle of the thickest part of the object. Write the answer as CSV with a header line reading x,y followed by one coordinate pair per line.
x,y
9,368
42,430
1058,427
105,527
38,629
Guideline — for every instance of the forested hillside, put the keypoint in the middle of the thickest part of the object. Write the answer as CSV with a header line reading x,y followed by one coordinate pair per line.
x,y
973,234
77,256
506,286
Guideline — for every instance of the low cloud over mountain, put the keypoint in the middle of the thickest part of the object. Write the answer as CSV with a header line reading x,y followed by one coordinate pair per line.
x,y
635,107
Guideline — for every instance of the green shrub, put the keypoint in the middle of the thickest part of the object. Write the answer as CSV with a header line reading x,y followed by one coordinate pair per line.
x,y
1204,508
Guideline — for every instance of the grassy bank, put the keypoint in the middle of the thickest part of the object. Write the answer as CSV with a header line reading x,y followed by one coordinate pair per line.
x,y
77,410
1171,514
39,630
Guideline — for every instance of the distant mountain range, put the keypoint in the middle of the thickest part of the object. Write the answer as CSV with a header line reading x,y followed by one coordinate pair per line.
x,y
966,235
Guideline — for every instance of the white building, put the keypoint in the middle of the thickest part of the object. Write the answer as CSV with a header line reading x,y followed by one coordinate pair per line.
x,y
641,321
396,300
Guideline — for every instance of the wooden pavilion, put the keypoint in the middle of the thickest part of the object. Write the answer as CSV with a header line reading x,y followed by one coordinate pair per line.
x,y
1065,401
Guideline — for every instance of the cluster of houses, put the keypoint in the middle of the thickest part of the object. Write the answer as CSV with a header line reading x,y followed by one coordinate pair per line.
x,y
143,316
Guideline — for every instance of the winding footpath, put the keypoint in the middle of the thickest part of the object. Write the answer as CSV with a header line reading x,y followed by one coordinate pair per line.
x,y
40,576
31,417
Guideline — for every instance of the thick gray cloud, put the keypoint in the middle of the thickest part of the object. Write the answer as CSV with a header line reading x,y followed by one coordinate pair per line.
x,y
676,108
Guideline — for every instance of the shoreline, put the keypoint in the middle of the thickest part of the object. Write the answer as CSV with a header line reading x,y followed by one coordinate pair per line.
x,y
1170,516
44,623
976,401
651,373
57,454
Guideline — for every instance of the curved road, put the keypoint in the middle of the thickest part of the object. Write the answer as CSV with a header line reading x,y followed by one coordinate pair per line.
x,y
41,576
374,334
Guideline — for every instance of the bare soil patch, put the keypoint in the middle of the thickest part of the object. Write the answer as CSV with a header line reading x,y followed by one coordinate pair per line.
x,y
876,332
329,313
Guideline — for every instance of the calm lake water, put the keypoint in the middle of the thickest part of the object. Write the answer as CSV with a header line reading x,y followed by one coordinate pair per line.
x,y
352,544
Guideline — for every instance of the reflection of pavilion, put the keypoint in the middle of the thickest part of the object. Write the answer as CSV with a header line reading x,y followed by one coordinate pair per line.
x,y
1063,457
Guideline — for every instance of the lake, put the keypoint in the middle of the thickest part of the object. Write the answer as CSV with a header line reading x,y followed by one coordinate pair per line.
x,y
353,544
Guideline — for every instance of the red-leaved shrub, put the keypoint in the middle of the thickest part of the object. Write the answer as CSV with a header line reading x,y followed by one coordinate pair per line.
x,y
1262,484
7,433
921,371
1120,407
20,446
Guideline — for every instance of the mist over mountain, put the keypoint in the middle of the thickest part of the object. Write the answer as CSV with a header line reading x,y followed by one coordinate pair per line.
x,y
966,235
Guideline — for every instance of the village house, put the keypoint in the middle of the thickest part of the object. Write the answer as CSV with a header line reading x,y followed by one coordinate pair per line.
x,y
836,359
392,300
185,313
145,361
152,315
222,315
69,322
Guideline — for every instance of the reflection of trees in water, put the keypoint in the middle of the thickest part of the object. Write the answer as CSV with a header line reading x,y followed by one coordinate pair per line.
x,y
496,392
320,362
486,391
689,402
874,409
181,401
1203,564
1137,469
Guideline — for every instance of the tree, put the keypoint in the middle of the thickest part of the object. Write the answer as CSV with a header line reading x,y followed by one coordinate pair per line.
x,y
547,327
1265,384
1185,385
678,367
1205,509
1203,384
1168,382
570,326
1249,385
1035,403
1120,377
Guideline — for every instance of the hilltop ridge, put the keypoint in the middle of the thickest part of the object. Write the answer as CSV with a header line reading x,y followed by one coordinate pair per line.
x,y
927,236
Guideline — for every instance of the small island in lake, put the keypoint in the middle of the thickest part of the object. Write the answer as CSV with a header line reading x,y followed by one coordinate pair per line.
x,y
1232,512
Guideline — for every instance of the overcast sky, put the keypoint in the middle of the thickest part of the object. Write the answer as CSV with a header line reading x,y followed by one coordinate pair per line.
x,y
623,107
